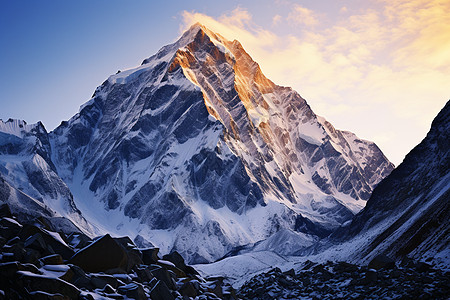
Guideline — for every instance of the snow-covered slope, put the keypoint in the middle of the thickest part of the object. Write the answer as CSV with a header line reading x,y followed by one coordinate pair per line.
x,y
197,151
407,214
28,178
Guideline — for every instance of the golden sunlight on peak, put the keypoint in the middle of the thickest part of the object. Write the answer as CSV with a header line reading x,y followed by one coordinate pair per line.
x,y
383,66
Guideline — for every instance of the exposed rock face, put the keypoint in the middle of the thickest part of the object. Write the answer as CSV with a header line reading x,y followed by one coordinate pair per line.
x,y
29,182
407,214
197,142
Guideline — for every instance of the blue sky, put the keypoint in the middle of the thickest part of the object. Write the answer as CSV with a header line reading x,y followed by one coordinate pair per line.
x,y
364,65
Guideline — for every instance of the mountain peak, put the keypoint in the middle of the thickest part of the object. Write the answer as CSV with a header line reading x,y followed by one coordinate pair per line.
x,y
198,133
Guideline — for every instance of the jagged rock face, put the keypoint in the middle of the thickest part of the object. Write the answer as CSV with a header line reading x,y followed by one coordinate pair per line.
x,y
407,214
196,150
28,178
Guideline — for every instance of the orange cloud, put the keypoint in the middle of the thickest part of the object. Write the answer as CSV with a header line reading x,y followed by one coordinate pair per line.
x,y
372,71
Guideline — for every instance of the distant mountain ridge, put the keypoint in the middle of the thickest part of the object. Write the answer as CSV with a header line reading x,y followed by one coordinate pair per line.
x,y
407,214
197,151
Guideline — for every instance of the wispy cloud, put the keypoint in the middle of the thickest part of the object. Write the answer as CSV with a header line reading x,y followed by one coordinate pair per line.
x,y
372,71
303,16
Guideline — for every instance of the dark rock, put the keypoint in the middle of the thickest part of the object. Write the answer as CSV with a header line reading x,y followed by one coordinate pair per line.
x,y
44,223
217,282
422,267
163,275
45,242
169,266
54,259
150,256
134,255
102,255
381,261
133,291
144,274
308,264
101,280
77,277
175,258
371,276
37,243
9,269
159,290
188,290
30,268
32,256
9,228
13,241
18,251
49,285
290,272
5,211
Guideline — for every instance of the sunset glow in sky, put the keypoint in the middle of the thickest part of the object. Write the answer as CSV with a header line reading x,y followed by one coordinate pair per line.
x,y
378,68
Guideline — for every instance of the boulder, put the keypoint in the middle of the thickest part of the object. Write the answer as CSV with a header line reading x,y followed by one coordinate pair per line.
x,y
48,242
32,256
101,280
8,269
9,228
381,262
144,274
102,255
371,276
37,243
54,259
188,290
134,255
76,276
171,267
33,282
422,267
5,211
290,272
163,275
30,268
150,255
175,258
133,291
159,290
18,251
28,230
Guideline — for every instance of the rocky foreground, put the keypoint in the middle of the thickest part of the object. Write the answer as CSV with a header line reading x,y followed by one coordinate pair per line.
x,y
38,263
382,279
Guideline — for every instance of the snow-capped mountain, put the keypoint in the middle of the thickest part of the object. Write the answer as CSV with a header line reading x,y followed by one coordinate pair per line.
x,y
407,214
28,178
196,150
